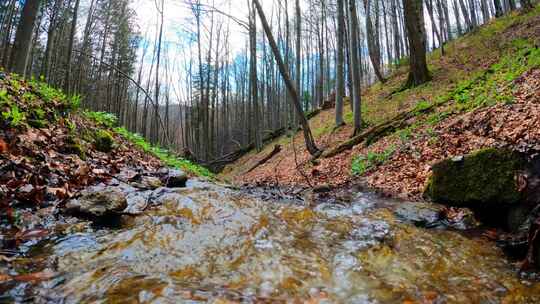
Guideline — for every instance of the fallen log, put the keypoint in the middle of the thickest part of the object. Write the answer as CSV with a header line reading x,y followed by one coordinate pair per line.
x,y
275,151
217,165
374,133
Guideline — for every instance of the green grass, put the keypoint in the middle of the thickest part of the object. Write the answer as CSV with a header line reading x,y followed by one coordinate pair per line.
x,y
164,155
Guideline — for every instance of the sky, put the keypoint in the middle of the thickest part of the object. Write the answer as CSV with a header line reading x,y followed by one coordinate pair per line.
x,y
179,22
179,25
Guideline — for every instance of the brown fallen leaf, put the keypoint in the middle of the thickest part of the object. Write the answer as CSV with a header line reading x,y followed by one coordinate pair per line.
x,y
35,277
3,146
5,278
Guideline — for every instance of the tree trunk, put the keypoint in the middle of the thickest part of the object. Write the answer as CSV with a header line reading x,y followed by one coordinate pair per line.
x,y
70,47
23,38
253,76
498,8
355,67
414,22
373,46
340,73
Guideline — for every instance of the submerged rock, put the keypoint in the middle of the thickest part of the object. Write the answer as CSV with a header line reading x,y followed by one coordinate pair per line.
x,y
176,179
486,177
98,202
421,214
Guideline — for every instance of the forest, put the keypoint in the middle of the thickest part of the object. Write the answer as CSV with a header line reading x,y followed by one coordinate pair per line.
x,y
226,98
270,151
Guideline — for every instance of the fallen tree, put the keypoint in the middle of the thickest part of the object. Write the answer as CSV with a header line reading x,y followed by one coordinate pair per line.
x,y
274,152
218,164
400,121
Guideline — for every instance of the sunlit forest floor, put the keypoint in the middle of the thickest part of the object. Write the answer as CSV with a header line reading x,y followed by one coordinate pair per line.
x,y
486,88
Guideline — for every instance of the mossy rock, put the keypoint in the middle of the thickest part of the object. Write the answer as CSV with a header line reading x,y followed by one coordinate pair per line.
x,y
74,146
484,178
103,141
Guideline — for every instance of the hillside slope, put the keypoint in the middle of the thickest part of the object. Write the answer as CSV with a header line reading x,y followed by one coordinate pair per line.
x,y
50,150
489,76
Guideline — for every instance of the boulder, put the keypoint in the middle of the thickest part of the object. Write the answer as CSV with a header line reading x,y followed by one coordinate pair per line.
x,y
176,179
97,202
482,179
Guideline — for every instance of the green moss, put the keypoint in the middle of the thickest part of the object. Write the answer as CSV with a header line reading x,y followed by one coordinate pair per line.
x,y
38,123
74,146
103,141
484,177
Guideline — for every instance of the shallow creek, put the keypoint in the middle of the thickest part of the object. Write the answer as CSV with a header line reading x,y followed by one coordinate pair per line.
x,y
210,243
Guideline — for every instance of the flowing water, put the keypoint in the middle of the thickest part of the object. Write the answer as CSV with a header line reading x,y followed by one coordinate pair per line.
x,y
210,243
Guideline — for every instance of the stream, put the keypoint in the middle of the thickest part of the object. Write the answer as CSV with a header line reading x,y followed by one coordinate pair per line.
x,y
213,243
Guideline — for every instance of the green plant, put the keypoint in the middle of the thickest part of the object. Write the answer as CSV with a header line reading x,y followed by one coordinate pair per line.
x,y
102,118
15,84
14,116
405,134
75,102
421,106
71,125
4,98
363,163
164,155
50,94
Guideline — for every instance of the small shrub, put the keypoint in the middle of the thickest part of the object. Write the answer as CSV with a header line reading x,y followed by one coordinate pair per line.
x,y
405,134
421,106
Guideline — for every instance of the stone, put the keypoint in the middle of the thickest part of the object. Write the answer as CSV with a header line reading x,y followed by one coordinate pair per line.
x,y
98,202
484,178
322,188
421,214
137,202
176,179
150,182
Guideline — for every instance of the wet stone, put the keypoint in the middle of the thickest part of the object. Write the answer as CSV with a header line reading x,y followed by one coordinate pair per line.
x,y
177,179
150,182
98,202
137,202
421,214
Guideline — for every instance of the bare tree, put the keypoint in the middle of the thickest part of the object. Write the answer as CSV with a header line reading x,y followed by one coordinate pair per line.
x,y
308,137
